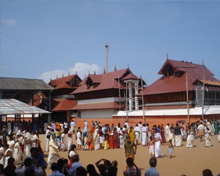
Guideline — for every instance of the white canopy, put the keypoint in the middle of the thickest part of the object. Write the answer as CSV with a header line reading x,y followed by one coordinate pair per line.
x,y
13,106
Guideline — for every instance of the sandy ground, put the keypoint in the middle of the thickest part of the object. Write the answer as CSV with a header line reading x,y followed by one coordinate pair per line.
x,y
188,161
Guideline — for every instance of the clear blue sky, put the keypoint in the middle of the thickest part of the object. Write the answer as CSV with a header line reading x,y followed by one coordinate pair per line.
x,y
40,39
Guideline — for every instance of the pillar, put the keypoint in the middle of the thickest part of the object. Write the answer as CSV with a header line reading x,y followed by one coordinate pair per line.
x,y
130,97
49,119
136,98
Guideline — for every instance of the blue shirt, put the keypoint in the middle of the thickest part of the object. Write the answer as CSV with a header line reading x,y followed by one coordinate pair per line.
x,y
56,173
41,161
72,170
151,172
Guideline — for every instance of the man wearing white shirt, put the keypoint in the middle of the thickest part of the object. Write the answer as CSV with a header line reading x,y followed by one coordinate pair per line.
x,y
167,132
72,125
137,133
85,126
140,127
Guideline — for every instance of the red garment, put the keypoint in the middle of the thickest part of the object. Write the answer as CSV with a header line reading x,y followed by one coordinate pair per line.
x,y
162,134
110,140
115,140
93,129
100,133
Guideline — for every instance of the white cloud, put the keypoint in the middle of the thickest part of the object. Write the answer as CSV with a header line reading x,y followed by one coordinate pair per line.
x,y
10,22
82,69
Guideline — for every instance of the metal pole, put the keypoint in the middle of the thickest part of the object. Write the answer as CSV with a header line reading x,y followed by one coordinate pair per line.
x,y
49,119
106,46
119,94
203,91
144,121
187,97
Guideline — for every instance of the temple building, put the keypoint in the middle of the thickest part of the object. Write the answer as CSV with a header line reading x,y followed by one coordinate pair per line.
x,y
178,95
103,95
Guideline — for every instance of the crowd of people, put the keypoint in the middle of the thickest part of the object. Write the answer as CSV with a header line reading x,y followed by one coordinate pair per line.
x,y
23,149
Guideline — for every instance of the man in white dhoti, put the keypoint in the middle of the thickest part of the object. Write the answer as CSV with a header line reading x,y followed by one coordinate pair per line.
x,y
70,139
27,143
190,138
144,135
17,153
178,136
47,137
63,142
140,127
167,132
122,138
45,127
157,138
15,129
207,138
9,127
53,151
137,133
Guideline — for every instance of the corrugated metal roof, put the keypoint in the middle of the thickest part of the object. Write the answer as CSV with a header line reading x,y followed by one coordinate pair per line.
x,y
12,106
23,84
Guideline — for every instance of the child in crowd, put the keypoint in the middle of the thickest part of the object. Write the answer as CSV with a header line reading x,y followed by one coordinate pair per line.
x,y
170,148
151,147
79,139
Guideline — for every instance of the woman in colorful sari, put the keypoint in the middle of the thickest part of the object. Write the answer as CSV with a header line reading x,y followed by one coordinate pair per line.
x,y
96,139
106,143
216,127
111,145
57,134
162,134
90,140
115,138
132,134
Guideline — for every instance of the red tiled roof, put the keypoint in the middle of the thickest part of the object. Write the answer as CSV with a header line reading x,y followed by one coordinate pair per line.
x,y
93,106
106,80
63,104
178,84
130,76
96,78
63,82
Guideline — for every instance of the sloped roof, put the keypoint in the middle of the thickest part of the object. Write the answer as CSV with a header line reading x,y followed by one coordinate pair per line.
x,y
23,84
93,106
130,76
106,80
63,104
13,106
178,84
63,82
